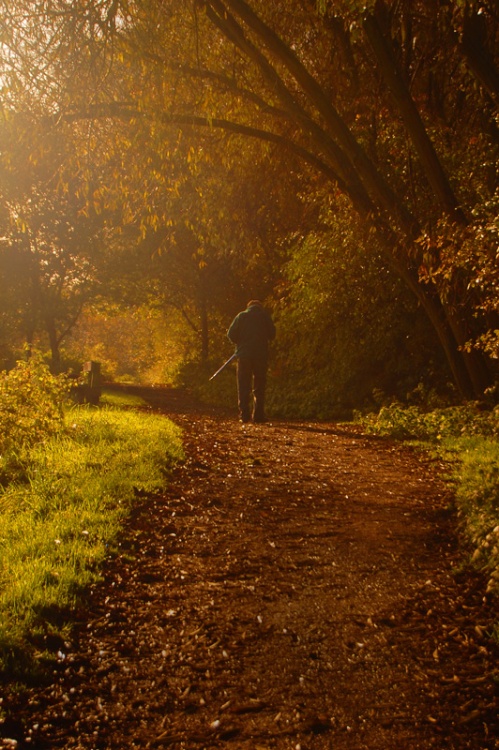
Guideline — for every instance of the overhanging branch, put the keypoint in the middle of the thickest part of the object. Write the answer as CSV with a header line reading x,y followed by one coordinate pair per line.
x,y
126,111
220,17
365,170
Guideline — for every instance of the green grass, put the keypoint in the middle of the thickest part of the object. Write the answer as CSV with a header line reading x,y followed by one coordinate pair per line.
x,y
120,399
477,497
61,517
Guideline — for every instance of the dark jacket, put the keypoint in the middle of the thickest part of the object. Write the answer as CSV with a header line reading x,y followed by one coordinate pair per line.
x,y
251,332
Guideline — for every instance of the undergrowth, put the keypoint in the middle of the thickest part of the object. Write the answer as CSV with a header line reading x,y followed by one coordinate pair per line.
x,y
469,435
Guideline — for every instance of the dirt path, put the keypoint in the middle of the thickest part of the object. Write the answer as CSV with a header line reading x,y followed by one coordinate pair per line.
x,y
291,590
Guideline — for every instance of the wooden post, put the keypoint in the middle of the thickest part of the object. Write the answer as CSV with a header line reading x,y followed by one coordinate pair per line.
x,y
93,382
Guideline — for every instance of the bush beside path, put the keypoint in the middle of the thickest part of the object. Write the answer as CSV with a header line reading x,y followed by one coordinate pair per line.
x,y
298,585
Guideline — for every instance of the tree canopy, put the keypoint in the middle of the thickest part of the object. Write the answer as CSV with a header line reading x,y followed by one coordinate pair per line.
x,y
214,137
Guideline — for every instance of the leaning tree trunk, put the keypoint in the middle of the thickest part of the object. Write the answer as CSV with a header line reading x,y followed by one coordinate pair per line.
x,y
432,306
476,51
469,368
394,78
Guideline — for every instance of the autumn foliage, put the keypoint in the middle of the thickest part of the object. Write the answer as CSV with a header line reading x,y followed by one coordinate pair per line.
x,y
337,159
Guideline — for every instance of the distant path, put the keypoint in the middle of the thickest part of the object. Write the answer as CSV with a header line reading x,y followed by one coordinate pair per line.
x,y
291,590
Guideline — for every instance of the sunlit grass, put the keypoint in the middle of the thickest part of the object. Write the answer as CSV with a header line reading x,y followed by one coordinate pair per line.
x,y
120,398
477,498
61,521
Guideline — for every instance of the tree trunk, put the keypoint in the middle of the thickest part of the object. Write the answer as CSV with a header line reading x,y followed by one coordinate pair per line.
x,y
480,61
356,167
478,376
475,362
404,103
431,304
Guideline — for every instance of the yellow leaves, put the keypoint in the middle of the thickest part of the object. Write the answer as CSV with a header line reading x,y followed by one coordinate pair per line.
x,y
97,201
21,225
152,221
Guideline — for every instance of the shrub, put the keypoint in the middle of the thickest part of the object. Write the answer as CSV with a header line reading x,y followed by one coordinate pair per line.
x,y
31,410
31,404
416,423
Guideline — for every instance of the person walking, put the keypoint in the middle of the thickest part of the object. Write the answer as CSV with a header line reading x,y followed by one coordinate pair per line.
x,y
251,331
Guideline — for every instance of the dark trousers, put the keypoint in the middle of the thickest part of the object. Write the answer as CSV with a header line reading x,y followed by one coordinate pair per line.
x,y
251,372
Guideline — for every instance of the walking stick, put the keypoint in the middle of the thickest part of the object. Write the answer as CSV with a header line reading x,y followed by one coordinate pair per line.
x,y
223,366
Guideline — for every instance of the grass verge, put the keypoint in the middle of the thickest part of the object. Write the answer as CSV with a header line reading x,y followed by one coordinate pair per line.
x,y
468,436
61,516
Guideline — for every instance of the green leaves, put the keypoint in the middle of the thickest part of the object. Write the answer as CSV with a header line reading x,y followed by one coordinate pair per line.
x,y
31,411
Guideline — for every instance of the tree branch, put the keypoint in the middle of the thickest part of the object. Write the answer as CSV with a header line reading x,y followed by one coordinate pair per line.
x,y
217,78
341,164
127,111
365,170
405,104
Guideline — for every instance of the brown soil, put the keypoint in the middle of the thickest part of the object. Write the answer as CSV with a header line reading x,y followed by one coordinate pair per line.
x,y
294,588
